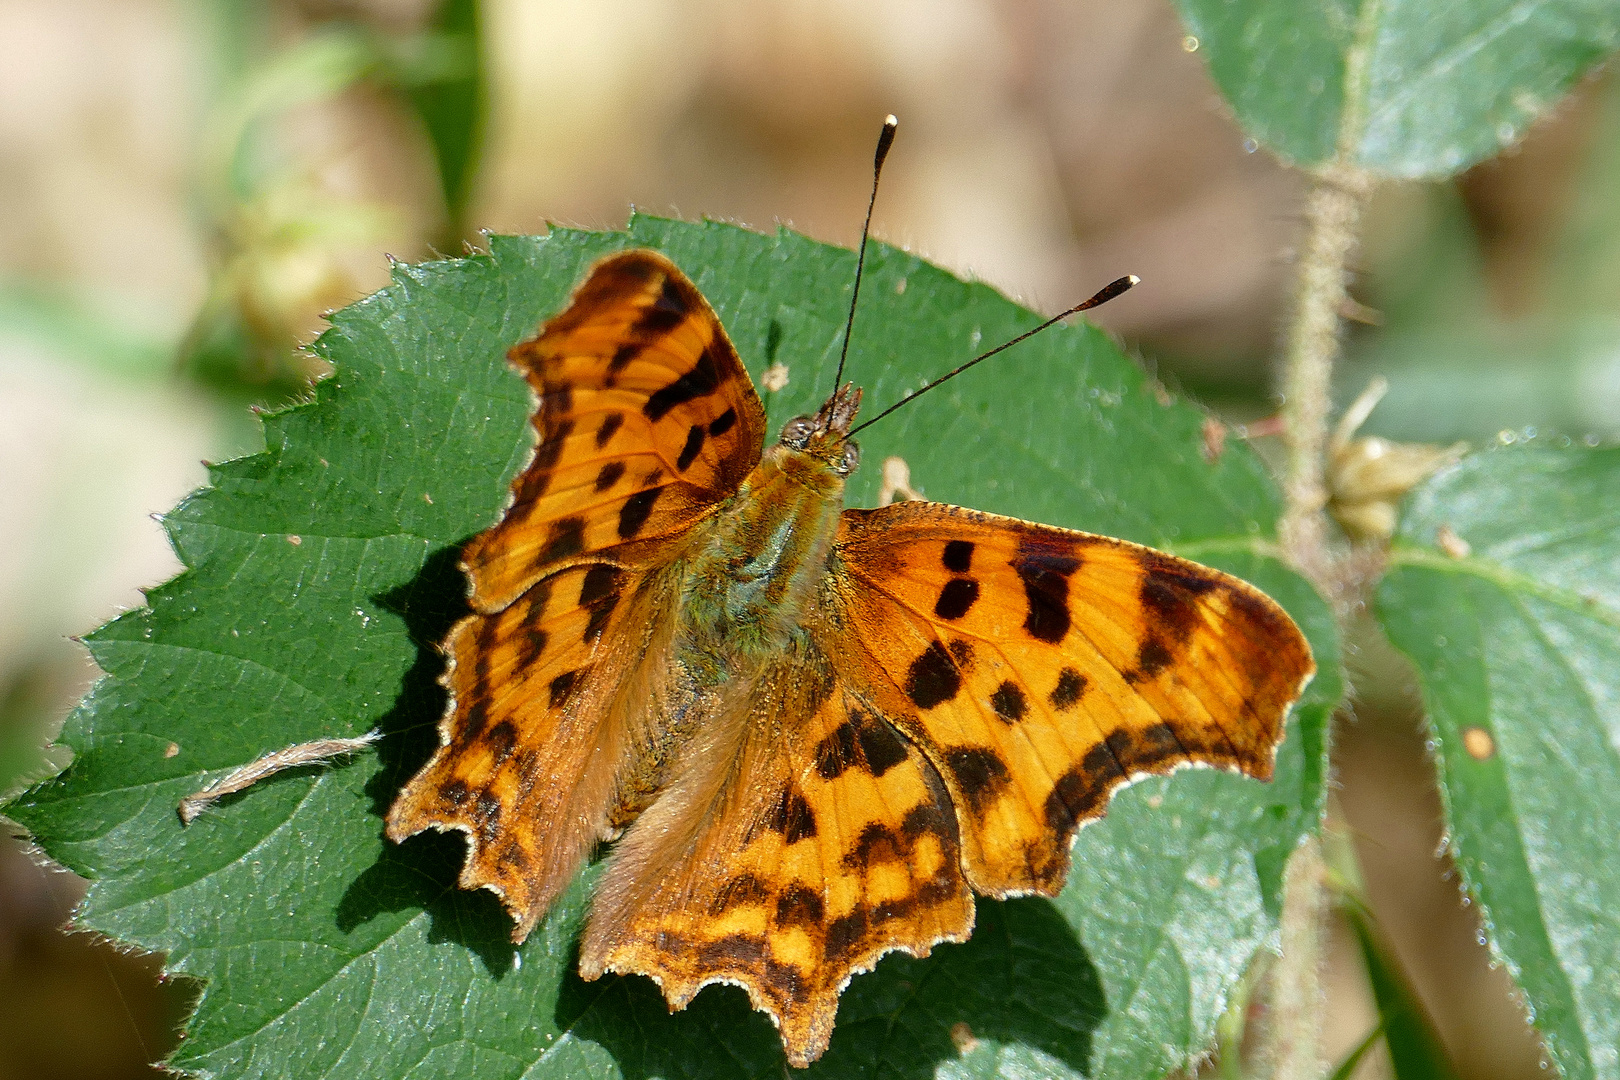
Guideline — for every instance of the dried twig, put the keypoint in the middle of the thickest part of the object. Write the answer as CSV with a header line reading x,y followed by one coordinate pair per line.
x,y
318,752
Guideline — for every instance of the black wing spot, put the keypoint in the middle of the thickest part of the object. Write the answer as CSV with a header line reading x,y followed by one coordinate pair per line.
x,y
800,906
845,935
978,772
958,596
924,819
689,452
1156,744
503,739
876,844
636,510
959,556
1078,796
1071,686
702,380
1102,765
487,813
599,618
599,581
1048,554
567,539
723,423
537,477
741,891
1044,568
563,685
1152,657
1170,591
609,475
836,752
477,713
1009,702
882,747
733,951
933,678
557,400
514,859
792,817
609,428
1047,596
670,301
534,615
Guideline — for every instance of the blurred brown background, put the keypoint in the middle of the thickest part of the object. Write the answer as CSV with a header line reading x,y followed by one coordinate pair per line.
x,y
185,187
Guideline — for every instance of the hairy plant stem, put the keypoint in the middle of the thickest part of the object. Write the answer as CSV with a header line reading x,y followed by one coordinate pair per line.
x,y
1333,214
1292,1048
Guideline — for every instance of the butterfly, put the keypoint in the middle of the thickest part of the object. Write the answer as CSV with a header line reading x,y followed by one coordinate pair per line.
x,y
813,732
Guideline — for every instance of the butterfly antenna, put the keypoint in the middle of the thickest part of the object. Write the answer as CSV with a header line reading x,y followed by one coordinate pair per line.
x,y
885,140
1106,293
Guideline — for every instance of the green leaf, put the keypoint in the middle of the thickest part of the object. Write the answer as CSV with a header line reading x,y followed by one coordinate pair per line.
x,y
1517,645
1405,88
1352,1061
452,107
1416,1051
321,575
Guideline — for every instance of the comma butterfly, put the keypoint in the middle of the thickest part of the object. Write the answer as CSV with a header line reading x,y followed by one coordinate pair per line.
x,y
814,732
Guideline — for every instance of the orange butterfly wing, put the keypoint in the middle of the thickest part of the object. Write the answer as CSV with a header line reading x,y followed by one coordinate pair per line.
x,y
1040,668
825,840
560,683
646,419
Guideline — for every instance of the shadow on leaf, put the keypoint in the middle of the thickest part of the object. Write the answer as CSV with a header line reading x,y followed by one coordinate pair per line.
x,y
1022,979
422,872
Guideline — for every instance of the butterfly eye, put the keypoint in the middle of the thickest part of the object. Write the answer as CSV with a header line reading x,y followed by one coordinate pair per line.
x,y
796,432
851,458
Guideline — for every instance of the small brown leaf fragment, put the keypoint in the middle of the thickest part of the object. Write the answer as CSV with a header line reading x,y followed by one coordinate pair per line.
x,y
294,539
1479,744
171,750
1214,439
1356,311
1266,425
963,1037
1449,542
896,482
774,379
318,752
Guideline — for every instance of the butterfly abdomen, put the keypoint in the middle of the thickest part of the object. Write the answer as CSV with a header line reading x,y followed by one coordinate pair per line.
x,y
750,587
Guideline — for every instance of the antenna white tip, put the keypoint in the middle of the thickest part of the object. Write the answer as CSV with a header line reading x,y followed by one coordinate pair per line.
x,y
1135,281
890,121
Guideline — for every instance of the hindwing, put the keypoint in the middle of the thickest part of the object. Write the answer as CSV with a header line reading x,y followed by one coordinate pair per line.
x,y
802,838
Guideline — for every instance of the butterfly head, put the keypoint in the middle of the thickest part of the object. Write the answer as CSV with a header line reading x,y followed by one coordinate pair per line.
x,y
825,435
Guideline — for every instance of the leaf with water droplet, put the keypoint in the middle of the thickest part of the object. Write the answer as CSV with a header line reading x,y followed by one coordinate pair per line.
x,y
1404,88
1525,709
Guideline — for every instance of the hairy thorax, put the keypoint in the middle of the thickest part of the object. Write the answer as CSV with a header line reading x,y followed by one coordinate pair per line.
x,y
748,590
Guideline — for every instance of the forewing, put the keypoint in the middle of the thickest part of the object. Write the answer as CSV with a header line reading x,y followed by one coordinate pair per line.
x,y
823,841
646,420
1040,668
